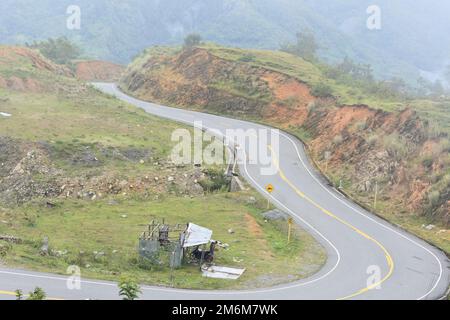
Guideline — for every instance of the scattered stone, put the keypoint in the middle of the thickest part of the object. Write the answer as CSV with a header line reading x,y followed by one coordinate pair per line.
x,y
230,231
251,200
275,215
170,179
112,202
124,216
98,255
44,248
10,239
429,227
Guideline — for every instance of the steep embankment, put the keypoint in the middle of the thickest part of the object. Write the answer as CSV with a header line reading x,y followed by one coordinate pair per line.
x,y
360,147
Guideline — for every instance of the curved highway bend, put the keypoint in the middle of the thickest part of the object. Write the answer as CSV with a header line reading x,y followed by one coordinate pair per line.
x,y
356,241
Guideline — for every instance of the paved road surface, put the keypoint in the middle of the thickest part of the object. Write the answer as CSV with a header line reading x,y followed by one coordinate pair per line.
x,y
359,245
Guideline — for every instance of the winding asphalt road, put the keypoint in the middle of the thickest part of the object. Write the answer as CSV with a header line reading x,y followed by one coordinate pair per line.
x,y
368,258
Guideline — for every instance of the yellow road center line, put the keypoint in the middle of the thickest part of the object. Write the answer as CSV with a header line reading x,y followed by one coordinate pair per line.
x,y
388,257
10,293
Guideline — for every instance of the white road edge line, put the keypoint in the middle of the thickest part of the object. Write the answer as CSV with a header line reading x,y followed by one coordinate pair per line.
x,y
239,292
370,218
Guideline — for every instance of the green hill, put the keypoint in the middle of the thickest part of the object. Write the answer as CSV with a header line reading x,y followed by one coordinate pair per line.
x,y
413,37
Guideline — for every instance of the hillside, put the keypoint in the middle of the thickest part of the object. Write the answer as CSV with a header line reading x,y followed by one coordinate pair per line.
x,y
357,145
98,71
413,37
90,172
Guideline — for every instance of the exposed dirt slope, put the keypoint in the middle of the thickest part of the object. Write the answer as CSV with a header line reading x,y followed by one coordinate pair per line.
x,y
98,71
356,143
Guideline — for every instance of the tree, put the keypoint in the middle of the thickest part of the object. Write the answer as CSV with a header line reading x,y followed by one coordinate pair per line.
x,y
129,289
192,40
306,46
322,90
37,294
447,73
60,50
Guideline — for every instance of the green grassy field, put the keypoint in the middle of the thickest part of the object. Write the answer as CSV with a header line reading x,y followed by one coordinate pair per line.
x,y
77,230
76,118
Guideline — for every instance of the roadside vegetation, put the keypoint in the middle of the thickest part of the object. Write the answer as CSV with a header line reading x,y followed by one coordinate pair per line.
x,y
82,174
361,130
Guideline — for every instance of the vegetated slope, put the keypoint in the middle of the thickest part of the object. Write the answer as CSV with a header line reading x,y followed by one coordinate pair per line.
x,y
90,172
413,35
356,145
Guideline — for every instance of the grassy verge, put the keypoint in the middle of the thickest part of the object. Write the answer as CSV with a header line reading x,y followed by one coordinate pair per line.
x,y
101,238
101,235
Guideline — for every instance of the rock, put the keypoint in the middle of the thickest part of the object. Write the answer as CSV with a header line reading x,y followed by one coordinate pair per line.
x,y
251,200
429,227
124,216
98,255
230,231
274,215
44,249
170,179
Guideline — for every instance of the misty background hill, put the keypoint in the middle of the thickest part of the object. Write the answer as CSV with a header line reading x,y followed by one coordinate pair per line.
x,y
414,38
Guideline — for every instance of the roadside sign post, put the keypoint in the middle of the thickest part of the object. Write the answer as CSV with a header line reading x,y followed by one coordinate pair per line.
x,y
290,223
269,189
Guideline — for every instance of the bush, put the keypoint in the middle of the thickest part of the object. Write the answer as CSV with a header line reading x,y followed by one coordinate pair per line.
x,y
248,57
192,40
322,91
372,140
361,125
60,50
427,162
433,198
337,140
215,181
395,146
129,289
37,294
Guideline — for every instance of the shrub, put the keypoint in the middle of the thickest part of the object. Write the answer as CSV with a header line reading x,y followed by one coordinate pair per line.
x,y
361,125
248,57
395,146
37,294
433,198
372,140
337,140
322,90
129,289
192,40
427,162
215,181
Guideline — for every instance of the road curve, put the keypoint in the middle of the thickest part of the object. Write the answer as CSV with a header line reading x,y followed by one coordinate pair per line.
x,y
368,258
